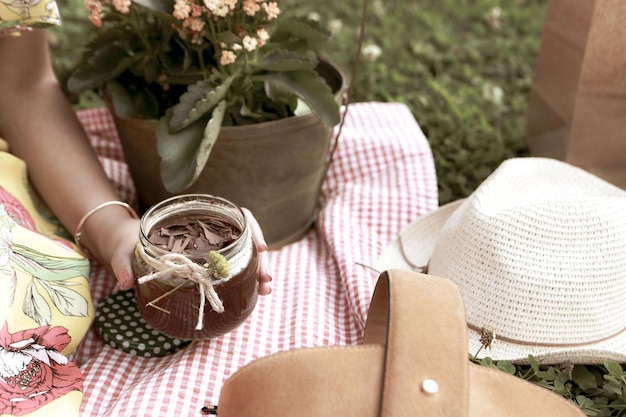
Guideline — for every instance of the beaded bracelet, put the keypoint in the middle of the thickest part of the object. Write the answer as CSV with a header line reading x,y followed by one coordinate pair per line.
x,y
81,223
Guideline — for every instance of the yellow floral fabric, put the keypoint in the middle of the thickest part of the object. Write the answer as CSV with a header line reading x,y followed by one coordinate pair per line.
x,y
16,14
45,302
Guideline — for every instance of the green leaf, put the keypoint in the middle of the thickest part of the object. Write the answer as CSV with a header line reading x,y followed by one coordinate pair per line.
x,y
614,368
211,133
199,99
163,8
184,153
283,60
487,362
279,92
178,65
584,403
128,105
506,366
612,386
584,378
228,37
312,32
311,88
549,375
103,65
245,111
560,382
110,36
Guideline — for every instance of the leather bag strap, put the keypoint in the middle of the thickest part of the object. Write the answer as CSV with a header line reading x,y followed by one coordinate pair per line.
x,y
415,332
422,321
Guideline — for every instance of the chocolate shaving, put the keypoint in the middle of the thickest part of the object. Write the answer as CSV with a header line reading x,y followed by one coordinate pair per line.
x,y
193,235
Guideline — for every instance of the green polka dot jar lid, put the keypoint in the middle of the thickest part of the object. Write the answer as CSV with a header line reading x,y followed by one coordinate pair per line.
x,y
120,325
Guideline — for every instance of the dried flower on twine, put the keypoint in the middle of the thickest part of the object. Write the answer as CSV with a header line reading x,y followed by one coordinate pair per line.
x,y
213,272
487,337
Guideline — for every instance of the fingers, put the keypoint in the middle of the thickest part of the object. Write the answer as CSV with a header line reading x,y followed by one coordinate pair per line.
x,y
124,255
265,277
121,265
264,289
125,279
257,233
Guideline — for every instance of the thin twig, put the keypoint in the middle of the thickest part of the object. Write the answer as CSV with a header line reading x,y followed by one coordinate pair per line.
x,y
355,68
162,296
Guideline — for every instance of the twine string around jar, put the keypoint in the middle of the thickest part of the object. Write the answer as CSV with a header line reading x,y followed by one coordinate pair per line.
x,y
183,267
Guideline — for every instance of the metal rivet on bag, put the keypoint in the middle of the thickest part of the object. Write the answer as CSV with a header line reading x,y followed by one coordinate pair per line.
x,y
430,386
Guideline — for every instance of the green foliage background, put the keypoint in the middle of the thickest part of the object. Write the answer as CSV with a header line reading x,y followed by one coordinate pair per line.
x,y
437,57
464,68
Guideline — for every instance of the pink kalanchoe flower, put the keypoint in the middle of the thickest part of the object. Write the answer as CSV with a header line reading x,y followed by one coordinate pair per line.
x,y
182,9
272,10
196,10
122,6
92,4
250,7
217,7
96,19
227,58
249,43
33,371
196,25
94,8
262,36
197,38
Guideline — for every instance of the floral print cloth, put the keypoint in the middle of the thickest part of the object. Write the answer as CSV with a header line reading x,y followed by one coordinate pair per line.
x,y
18,14
45,302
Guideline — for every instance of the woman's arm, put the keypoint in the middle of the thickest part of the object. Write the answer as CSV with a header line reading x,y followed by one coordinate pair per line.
x,y
42,129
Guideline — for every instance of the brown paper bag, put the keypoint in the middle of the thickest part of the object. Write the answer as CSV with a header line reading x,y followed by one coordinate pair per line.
x,y
577,108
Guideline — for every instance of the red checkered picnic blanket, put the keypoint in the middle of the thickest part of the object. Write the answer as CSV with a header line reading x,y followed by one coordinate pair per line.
x,y
382,178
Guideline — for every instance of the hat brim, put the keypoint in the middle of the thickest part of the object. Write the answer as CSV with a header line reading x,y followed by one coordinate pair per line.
x,y
414,246
412,249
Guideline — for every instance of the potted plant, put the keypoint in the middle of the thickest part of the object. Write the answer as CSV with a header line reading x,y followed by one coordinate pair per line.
x,y
186,72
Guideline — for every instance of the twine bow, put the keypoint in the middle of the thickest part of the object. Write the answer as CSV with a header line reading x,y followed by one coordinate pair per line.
x,y
181,266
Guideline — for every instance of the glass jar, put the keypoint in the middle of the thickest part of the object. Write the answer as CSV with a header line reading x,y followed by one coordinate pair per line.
x,y
172,302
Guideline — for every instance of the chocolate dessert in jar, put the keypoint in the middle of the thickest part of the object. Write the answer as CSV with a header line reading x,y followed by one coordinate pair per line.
x,y
196,267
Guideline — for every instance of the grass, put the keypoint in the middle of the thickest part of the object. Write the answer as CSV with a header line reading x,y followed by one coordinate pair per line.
x,y
464,68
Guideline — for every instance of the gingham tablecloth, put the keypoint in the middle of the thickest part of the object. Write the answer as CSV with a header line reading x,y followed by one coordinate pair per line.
x,y
382,177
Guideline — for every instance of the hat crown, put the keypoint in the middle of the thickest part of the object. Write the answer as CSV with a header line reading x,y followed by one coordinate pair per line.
x,y
539,253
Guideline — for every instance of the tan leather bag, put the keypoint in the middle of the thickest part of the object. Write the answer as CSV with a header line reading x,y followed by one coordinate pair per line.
x,y
578,98
413,362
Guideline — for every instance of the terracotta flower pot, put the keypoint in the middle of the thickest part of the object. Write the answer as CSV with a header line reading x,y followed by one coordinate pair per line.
x,y
275,169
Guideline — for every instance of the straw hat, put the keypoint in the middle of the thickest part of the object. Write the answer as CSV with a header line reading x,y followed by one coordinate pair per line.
x,y
538,252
